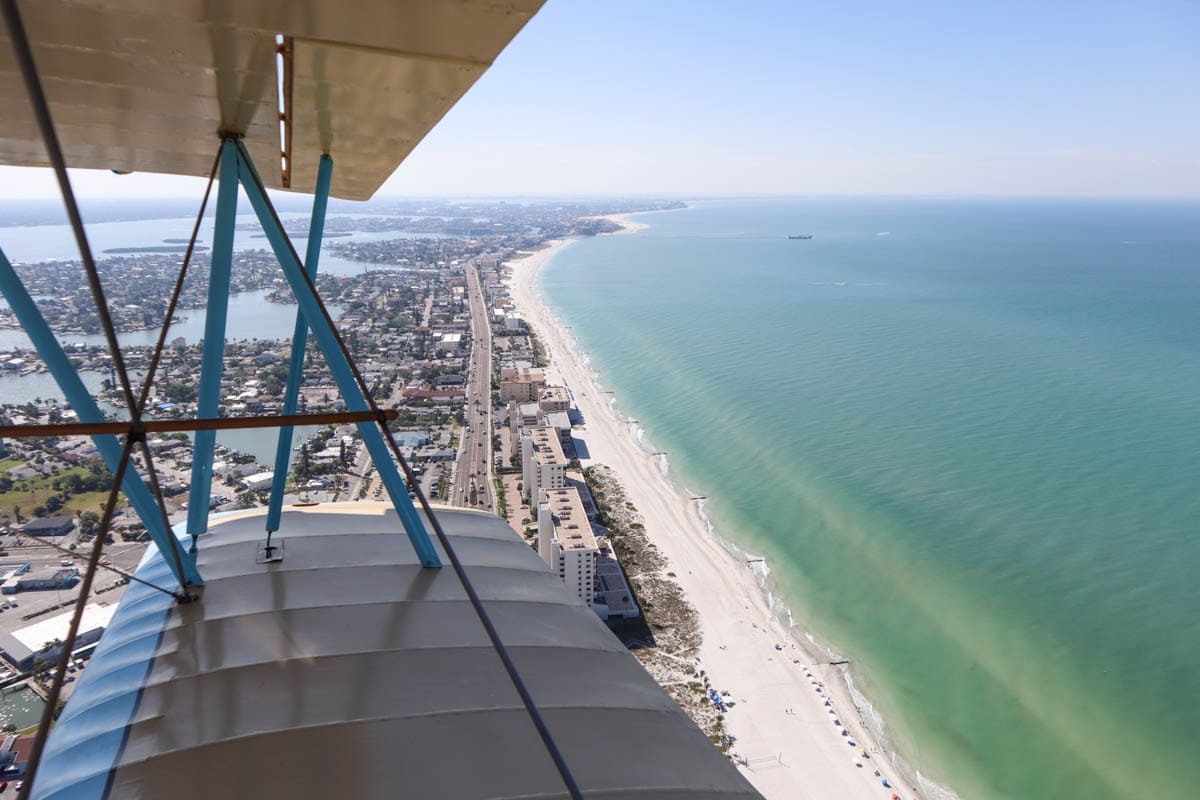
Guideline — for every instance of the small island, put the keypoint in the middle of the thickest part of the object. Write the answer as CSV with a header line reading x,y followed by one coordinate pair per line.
x,y
154,248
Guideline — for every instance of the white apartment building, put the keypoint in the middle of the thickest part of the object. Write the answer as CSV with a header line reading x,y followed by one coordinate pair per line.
x,y
566,542
543,465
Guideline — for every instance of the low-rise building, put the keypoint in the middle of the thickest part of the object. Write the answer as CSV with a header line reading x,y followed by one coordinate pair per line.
x,y
566,542
450,342
554,398
40,579
160,446
42,640
49,526
261,482
527,414
614,600
15,753
435,454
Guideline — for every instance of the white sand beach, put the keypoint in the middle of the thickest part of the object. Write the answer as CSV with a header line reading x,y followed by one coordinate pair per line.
x,y
783,718
627,225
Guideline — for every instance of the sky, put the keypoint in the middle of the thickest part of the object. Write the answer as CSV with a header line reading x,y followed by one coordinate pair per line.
x,y
703,98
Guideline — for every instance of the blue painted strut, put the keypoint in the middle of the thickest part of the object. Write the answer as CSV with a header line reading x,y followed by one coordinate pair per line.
x,y
85,406
338,366
212,360
291,396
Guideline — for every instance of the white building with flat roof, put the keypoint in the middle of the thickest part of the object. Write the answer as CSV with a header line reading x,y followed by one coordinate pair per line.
x,y
566,541
22,647
543,465
260,482
527,414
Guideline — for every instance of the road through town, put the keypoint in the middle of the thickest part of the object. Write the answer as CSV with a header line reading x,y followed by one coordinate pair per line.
x,y
473,467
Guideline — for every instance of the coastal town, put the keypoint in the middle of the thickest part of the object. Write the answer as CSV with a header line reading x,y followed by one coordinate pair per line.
x,y
427,320
444,327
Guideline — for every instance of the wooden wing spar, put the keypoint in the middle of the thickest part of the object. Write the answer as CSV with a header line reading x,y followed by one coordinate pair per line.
x,y
138,86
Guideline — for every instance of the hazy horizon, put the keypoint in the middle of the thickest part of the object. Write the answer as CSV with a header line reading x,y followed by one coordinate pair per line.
x,y
542,197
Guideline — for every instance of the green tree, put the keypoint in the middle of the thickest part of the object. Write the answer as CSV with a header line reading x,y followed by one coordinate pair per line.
x,y
303,463
88,522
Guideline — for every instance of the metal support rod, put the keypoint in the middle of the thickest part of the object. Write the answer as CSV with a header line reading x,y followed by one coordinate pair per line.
x,y
213,356
324,330
173,303
335,358
41,112
81,400
68,644
180,425
291,395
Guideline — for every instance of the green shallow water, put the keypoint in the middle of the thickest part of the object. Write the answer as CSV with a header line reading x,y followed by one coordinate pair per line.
x,y
968,449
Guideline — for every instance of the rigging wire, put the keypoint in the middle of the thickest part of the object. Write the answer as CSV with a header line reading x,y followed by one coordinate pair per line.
x,y
485,619
178,290
156,356
41,110
136,436
85,588
126,575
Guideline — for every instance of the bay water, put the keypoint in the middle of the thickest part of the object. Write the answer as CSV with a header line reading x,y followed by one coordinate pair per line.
x,y
965,435
249,314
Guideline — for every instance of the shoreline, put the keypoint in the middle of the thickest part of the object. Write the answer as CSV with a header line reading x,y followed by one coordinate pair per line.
x,y
627,225
785,734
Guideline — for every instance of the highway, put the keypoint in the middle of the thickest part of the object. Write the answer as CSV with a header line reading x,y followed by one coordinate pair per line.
x,y
473,468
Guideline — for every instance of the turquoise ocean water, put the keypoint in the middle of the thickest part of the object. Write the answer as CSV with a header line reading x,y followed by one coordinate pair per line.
x,y
969,448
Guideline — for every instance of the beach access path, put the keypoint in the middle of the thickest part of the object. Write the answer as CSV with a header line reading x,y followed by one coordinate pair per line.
x,y
783,727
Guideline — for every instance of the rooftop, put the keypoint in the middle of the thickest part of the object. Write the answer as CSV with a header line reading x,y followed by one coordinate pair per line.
x,y
522,375
547,448
571,526
36,635
47,523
